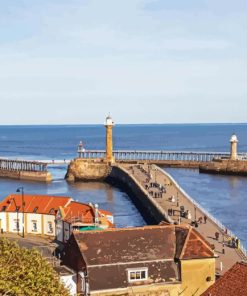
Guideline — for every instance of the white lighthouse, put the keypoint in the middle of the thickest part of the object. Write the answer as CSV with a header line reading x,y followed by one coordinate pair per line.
x,y
234,143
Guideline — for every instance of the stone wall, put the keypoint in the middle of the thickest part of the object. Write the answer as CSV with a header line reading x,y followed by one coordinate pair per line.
x,y
166,163
26,175
147,206
225,167
87,170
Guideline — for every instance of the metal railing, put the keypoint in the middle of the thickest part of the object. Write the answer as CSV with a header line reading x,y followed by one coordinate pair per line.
x,y
193,156
216,221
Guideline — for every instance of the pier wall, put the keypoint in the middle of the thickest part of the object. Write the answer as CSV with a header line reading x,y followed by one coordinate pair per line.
x,y
225,167
151,211
166,163
25,175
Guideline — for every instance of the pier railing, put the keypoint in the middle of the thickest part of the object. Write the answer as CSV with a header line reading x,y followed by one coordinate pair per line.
x,y
224,229
193,156
22,165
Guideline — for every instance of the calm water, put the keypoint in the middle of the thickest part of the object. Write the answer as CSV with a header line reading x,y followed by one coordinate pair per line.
x,y
224,196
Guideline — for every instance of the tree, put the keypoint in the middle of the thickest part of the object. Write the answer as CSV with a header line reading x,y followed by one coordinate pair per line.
x,y
25,272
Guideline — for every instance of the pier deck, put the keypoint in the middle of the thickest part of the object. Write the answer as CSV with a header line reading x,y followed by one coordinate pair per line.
x,y
180,198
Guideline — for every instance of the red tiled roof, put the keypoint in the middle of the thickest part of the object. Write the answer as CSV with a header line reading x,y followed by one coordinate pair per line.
x,y
40,204
232,283
46,204
195,246
76,211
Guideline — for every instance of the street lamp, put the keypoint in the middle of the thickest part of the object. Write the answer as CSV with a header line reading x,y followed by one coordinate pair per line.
x,y
17,212
195,214
21,189
177,200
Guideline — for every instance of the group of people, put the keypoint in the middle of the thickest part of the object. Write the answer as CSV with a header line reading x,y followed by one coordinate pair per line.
x,y
233,242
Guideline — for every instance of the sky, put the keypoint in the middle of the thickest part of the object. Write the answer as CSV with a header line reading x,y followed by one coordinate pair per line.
x,y
142,61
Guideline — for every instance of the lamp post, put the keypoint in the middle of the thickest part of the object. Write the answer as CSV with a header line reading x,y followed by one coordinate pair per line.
x,y
195,211
177,200
17,212
21,189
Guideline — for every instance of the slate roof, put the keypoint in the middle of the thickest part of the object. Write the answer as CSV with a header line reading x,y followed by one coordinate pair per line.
x,y
142,244
232,283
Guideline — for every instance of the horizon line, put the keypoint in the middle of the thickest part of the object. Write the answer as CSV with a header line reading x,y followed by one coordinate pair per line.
x,y
119,124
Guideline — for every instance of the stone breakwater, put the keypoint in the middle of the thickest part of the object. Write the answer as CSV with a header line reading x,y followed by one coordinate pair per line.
x,y
225,167
151,211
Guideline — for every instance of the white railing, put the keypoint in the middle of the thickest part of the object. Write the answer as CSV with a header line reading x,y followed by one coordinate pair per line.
x,y
216,221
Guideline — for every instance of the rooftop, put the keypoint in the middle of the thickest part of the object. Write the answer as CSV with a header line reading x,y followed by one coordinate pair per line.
x,y
141,244
46,204
232,283
39,204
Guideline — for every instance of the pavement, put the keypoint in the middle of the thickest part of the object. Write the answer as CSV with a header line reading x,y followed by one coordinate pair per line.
x,y
171,199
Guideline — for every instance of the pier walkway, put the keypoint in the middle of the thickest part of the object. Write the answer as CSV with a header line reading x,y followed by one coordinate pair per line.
x,y
171,197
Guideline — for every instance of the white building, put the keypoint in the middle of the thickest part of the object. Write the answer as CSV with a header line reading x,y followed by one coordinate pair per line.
x,y
48,215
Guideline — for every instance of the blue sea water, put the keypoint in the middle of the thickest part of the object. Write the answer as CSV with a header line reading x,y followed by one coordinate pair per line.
x,y
224,196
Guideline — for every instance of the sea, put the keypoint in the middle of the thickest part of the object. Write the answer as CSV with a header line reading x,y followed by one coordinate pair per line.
x,y
225,197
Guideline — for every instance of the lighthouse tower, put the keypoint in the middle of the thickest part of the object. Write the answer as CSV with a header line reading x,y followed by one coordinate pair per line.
x,y
109,146
234,143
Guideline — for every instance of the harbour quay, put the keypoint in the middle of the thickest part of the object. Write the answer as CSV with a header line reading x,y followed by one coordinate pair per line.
x,y
183,250
162,203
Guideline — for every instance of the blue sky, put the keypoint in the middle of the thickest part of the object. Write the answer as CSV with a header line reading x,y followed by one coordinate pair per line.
x,y
144,61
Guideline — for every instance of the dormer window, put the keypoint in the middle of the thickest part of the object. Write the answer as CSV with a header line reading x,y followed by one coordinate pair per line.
x,y
52,211
3,208
35,209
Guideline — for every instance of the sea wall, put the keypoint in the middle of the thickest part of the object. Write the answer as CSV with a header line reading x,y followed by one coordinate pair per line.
x,y
151,211
166,163
225,167
26,175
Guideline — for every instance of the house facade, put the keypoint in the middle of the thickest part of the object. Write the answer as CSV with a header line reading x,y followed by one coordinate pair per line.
x,y
79,217
40,213
153,260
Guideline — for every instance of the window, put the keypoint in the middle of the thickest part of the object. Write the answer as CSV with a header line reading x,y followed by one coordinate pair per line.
x,y
16,225
35,228
138,274
49,227
4,208
52,211
35,209
17,209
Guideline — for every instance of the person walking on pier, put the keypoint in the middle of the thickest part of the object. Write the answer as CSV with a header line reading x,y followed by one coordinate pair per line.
x,y
205,219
